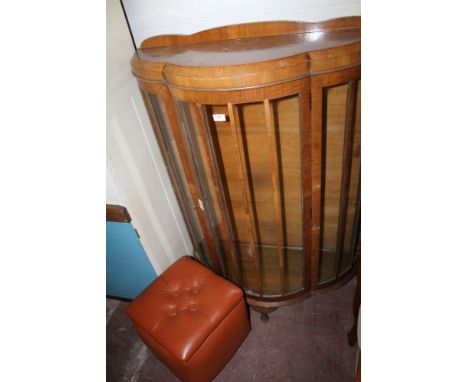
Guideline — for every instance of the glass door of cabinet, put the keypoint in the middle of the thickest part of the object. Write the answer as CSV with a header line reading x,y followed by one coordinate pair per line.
x,y
248,160
341,196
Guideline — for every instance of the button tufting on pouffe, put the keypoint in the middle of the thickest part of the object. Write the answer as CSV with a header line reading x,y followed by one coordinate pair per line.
x,y
192,319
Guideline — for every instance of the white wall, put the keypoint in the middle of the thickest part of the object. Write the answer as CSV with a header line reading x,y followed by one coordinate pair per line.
x,y
113,195
149,17
135,171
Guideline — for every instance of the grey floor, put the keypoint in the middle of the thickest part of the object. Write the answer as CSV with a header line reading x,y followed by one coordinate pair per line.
x,y
302,342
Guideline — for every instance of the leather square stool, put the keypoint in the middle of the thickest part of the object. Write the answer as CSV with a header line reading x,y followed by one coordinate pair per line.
x,y
192,319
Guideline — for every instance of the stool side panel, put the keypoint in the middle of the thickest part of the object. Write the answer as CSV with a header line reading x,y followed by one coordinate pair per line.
x,y
160,352
192,319
214,353
220,346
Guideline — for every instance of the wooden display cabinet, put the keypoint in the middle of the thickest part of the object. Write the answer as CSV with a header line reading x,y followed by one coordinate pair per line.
x,y
259,126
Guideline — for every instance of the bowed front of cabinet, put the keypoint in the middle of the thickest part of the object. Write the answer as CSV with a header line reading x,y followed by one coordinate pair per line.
x,y
259,127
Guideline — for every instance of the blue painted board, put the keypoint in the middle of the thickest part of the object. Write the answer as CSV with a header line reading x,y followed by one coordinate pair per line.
x,y
128,270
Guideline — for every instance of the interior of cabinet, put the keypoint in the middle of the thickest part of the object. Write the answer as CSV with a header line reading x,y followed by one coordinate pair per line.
x,y
260,224
335,104
267,264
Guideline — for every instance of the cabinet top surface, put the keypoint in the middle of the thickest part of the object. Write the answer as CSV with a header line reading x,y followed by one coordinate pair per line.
x,y
240,51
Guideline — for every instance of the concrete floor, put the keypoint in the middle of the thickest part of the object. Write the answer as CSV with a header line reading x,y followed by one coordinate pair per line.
x,y
302,342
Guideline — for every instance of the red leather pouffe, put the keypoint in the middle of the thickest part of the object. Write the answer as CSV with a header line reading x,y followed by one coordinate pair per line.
x,y
192,319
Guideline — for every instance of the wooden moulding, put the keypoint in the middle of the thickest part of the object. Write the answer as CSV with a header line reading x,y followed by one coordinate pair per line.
x,y
159,57
298,296
306,176
275,169
316,179
332,59
268,28
116,213
238,96
239,76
